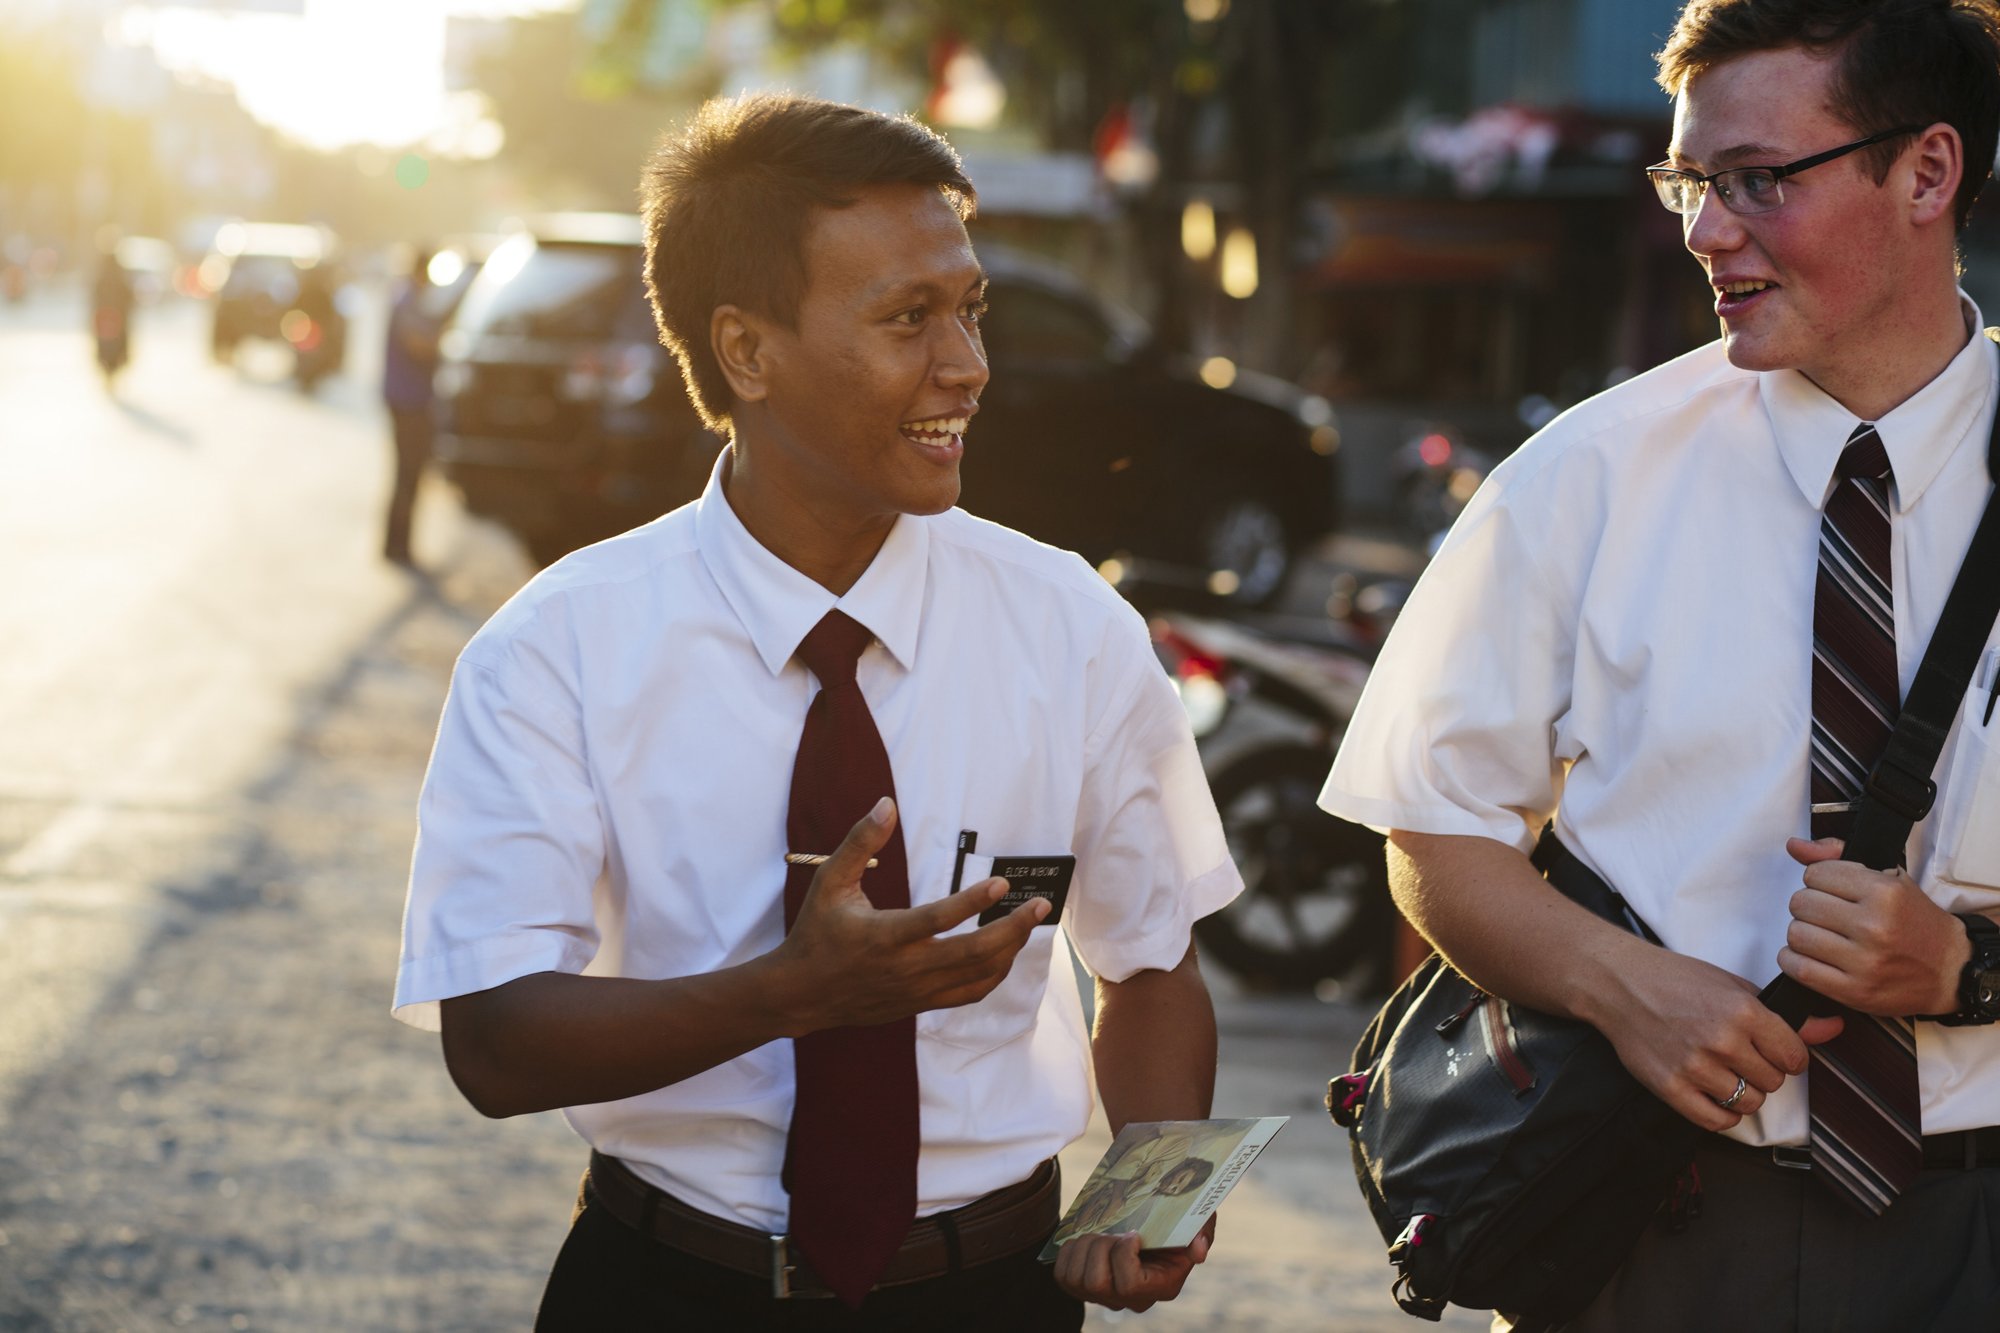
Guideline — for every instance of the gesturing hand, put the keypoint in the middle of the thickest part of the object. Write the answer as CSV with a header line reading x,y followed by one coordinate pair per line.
x,y
1114,1272
1870,939
850,963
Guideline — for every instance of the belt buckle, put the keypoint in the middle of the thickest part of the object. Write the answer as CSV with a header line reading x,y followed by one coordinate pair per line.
x,y
1792,1158
782,1268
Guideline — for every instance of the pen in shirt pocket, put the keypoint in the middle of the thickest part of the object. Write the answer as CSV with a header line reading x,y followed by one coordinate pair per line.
x,y
968,841
1991,666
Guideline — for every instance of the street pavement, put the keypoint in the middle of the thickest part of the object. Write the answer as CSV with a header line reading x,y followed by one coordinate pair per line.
x,y
215,709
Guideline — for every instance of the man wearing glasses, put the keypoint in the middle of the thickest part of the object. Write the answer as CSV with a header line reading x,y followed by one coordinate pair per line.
x,y
1676,621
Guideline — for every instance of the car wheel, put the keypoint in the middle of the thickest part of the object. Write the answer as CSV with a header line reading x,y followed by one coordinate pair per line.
x,y
1246,550
1315,901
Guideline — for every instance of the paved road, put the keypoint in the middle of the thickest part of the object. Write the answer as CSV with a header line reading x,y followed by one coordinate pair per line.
x,y
214,714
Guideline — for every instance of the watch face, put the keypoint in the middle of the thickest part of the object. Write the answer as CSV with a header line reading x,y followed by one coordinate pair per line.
x,y
1986,990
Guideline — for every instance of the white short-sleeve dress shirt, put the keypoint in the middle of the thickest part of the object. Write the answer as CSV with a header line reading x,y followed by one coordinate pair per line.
x,y
1617,634
608,794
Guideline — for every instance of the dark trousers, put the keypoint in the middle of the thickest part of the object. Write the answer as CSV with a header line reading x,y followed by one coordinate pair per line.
x,y
1776,1251
610,1278
412,430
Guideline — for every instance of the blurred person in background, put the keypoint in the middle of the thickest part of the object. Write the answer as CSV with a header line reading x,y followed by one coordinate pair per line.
x,y
409,359
1679,622
726,761
111,301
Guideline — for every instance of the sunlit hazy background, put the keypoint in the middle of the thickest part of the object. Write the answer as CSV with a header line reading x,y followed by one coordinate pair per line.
x,y
1256,176
1429,203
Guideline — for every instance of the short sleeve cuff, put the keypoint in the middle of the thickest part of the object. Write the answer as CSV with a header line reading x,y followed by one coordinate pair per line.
x,y
1500,825
1162,949
479,966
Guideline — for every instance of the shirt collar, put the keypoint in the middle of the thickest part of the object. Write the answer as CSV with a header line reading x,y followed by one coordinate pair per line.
x,y
778,606
1919,434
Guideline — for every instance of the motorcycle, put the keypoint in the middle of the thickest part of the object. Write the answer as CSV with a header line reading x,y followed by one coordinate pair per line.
x,y
111,300
1435,475
1268,699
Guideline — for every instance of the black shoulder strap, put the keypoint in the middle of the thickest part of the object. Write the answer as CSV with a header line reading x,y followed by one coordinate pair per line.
x,y
1901,789
1567,873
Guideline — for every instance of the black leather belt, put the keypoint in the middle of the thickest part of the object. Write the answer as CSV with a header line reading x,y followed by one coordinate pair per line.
x,y
1958,1150
992,1227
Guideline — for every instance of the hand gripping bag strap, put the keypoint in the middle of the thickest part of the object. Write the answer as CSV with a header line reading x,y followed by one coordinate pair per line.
x,y
1900,790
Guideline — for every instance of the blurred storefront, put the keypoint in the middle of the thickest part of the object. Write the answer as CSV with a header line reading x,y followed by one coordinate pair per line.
x,y
1545,282
1488,252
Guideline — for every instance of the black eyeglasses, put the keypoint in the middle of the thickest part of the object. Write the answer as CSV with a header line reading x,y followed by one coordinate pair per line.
x,y
1747,189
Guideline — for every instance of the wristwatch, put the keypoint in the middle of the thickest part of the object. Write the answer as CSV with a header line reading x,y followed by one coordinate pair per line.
x,y
1979,983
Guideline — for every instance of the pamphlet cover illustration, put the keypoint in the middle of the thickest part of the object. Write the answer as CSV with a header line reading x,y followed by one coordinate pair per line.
x,y
1164,1179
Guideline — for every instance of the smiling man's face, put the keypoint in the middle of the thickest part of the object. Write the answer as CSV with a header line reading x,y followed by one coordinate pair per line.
x,y
872,393
1817,284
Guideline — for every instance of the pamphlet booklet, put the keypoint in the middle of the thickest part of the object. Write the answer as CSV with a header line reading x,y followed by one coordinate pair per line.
x,y
1164,1179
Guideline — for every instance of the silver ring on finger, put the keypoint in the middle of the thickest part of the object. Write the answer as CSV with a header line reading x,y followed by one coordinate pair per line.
x,y
1729,1103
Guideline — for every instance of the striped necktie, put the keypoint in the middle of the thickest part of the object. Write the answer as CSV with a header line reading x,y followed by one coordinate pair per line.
x,y
1862,1093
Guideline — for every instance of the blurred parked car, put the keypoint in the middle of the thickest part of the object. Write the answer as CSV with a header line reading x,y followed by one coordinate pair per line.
x,y
150,263
453,266
1090,437
276,281
561,416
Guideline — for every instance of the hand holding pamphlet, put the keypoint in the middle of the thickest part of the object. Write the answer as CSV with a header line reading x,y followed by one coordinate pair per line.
x,y
1163,1179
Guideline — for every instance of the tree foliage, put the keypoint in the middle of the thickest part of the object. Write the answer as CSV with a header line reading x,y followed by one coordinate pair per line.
x,y
569,145
41,107
1233,90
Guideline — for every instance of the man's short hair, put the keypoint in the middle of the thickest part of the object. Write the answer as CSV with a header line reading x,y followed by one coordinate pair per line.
x,y
1898,62
729,200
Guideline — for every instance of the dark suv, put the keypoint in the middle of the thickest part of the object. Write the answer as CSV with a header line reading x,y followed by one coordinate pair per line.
x,y
1089,437
558,412
560,415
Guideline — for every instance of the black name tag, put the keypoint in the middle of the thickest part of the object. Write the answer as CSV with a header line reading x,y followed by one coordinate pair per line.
x,y
1030,877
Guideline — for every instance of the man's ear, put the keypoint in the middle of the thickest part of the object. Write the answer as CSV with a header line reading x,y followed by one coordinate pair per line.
x,y
738,340
1937,167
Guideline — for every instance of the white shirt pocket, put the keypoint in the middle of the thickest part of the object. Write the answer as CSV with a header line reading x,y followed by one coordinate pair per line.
x,y
1010,1009
1969,835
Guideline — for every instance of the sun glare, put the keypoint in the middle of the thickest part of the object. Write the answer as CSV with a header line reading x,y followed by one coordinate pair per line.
x,y
340,72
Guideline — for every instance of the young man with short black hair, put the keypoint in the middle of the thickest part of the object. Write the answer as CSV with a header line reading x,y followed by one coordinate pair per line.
x,y
728,762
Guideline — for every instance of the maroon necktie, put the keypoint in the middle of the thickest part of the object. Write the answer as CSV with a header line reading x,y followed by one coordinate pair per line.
x,y
1862,1095
851,1162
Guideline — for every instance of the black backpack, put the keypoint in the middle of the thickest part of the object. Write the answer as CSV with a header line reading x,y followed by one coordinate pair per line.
x,y
1507,1156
